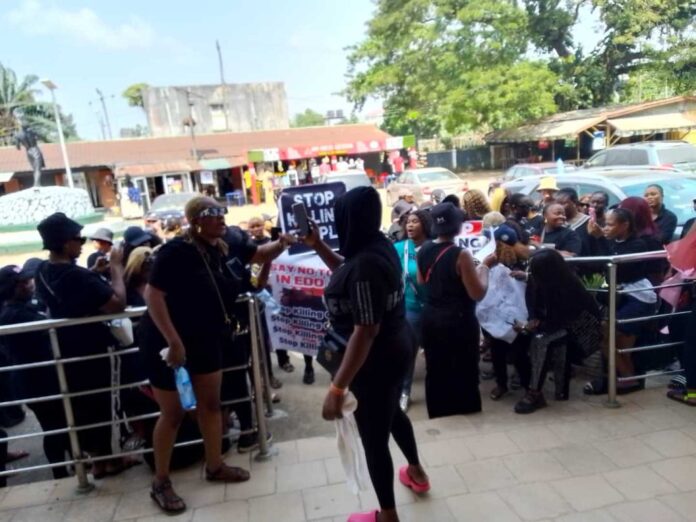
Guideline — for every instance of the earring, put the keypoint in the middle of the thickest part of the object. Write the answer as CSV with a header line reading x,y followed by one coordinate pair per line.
x,y
198,229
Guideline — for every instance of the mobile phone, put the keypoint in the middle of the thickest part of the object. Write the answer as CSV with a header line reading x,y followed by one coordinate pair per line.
x,y
275,233
593,213
299,211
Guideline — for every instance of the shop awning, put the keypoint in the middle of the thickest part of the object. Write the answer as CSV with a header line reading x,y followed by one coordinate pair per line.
x,y
6,176
331,149
549,130
637,125
215,164
156,169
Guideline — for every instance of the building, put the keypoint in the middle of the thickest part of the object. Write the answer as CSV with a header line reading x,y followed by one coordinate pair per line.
x,y
235,107
576,135
165,165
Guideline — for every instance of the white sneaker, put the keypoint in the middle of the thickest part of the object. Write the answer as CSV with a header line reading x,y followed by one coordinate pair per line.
x,y
404,402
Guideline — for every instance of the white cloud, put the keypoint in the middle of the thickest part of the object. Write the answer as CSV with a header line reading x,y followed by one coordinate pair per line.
x,y
83,25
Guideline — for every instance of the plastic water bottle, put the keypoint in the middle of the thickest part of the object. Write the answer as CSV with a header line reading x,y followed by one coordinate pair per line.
x,y
185,388
269,302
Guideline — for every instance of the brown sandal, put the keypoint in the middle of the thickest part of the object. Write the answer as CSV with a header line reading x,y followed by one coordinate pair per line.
x,y
168,501
227,473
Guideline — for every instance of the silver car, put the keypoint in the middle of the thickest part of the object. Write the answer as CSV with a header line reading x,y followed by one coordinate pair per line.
x,y
423,182
672,154
620,183
350,178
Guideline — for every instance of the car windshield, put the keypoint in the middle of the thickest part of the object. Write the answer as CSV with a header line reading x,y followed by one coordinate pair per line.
x,y
437,175
168,201
676,155
679,195
554,169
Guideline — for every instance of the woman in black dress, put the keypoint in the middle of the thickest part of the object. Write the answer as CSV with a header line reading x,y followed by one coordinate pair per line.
x,y
450,330
365,300
555,232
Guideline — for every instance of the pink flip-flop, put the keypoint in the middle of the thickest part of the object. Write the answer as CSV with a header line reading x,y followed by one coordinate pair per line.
x,y
407,481
370,516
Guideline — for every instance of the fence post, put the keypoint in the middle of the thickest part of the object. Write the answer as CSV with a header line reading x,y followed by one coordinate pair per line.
x,y
267,393
611,355
454,158
83,483
264,450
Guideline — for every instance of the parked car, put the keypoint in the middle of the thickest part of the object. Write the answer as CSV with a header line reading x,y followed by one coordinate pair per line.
x,y
536,169
351,179
620,183
670,154
169,206
423,182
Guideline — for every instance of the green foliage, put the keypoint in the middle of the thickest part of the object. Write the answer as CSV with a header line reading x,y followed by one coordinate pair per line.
x,y
446,66
134,94
308,118
18,102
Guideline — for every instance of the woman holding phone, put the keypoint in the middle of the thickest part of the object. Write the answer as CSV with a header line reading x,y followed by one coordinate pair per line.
x,y
365,301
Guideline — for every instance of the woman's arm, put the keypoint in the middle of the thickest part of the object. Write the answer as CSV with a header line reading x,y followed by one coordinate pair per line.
x,y
269,251
117,303
262,278
474,279
157,308
356,353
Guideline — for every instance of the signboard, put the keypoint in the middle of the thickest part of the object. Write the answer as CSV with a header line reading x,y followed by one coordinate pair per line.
x,y
319,200
471,236
599,140
207,177
297,284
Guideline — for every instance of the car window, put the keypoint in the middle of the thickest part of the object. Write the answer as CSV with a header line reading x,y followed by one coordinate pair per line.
x,y
587,188
618,157
437,175
406,178
676,155
597,160
679,194
638,157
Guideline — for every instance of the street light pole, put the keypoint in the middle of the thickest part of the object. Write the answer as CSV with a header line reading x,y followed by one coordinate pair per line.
x,y
52,87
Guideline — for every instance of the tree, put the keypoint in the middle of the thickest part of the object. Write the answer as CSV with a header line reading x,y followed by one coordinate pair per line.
x,y
455,65
308,118
134,94
18,105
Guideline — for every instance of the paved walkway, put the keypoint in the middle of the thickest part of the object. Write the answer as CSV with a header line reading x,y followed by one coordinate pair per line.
x,y
574,461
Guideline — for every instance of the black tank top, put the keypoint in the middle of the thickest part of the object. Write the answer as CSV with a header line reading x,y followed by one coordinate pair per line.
x,y
445,289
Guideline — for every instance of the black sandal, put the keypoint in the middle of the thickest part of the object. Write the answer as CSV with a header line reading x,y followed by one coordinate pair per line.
x,y
227,473
598,386
530,403
288,367
163,495
498,393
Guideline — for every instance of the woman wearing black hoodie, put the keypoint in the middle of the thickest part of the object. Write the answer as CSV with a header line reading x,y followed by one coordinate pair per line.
x,y
365,300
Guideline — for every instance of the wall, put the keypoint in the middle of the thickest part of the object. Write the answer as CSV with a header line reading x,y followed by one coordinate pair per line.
x,y
477,158
249,107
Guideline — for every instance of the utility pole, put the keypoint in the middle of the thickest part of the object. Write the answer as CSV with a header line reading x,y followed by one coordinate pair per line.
x,y
192,124
224,85
106,113
100,120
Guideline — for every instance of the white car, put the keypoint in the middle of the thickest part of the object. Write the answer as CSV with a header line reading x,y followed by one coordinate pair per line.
x,y
423,182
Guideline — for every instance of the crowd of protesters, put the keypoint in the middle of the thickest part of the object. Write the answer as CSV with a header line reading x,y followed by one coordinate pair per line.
x,y
390,294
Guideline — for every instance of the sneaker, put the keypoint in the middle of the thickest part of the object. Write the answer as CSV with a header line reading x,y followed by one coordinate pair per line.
x,y
275,383
404,402
308,377
250,442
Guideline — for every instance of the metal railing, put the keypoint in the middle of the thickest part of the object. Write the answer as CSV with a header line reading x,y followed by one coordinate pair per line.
x,y
614,292
259,396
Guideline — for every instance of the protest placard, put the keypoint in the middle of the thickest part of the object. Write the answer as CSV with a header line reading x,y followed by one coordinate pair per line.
x,y
319,200
471,236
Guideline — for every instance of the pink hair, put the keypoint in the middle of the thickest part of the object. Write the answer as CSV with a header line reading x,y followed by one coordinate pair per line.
x,y
645,226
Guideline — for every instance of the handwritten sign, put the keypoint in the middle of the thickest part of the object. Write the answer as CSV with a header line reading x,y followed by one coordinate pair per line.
x,y
319,200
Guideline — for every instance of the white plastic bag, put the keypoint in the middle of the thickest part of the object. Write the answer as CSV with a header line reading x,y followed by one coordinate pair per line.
x,y
503,304
350,447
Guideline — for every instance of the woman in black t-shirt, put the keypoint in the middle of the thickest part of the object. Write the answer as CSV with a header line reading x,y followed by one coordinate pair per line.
x,y
555,232
451,332
365,300
190,301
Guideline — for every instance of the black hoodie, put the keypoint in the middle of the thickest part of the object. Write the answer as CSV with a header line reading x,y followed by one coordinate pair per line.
x,y
367,288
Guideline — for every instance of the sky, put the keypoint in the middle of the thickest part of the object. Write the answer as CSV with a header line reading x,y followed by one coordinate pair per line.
x,y
84,45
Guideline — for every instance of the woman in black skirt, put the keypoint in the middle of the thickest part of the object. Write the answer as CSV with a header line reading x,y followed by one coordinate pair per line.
x,y
450,330
365,300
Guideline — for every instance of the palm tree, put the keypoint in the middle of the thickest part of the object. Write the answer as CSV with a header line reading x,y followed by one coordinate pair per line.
x,y
18,100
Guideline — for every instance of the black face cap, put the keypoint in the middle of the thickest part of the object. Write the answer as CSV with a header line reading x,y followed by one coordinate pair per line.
x,y
57,229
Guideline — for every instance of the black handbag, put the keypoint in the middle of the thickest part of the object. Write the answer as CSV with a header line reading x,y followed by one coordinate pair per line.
x,y
331,351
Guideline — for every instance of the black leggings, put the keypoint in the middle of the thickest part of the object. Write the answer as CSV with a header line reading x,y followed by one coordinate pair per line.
x,y
51,416
377,416
518,352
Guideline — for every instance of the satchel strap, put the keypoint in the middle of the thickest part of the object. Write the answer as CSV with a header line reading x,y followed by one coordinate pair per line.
x,y
228,321
430,270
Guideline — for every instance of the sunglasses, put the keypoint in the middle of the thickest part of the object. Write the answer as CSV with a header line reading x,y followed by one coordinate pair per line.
x,y
213,212
80,239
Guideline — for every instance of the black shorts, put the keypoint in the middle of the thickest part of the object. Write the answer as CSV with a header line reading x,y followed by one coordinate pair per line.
x,y
203,355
